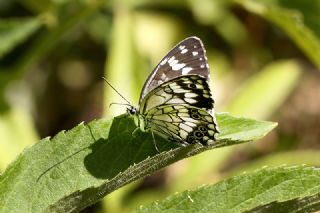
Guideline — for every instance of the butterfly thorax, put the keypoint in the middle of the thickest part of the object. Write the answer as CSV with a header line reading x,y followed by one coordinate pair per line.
x,y
139,119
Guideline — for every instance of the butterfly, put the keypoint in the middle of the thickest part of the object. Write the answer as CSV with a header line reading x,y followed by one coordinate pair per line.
x,y
176,101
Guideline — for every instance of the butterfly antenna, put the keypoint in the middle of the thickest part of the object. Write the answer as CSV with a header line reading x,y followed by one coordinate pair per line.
x,y
117,91
119,104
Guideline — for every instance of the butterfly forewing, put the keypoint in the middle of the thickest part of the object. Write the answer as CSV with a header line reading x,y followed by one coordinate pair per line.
x,y
187,57
191,90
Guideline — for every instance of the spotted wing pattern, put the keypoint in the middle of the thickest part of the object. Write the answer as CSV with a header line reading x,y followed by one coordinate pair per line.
x,y
181,110
187,57
190,90
183,124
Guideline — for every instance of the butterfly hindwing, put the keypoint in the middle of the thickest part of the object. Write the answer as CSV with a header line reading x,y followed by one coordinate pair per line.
x,y
187,57
181,110
183,124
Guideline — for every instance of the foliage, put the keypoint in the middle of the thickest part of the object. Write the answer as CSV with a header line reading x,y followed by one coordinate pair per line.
x,y
280,189
103,160
258,52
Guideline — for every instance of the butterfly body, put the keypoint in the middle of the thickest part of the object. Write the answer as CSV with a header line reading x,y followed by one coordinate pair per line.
x,y
176,100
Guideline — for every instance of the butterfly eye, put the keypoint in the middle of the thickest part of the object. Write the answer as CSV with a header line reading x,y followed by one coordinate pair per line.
x,y
132,111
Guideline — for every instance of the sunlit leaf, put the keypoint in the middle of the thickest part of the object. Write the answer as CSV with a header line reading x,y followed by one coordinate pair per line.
x,y
76,168
120,62
295,157
290,21
16,133
282,189
266,91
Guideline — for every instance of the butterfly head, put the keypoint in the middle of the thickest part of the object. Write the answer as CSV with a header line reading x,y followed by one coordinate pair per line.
x,y
138,118
131,110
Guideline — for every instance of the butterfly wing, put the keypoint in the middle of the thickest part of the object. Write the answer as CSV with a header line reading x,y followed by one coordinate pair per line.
x,y
187,57
181,109
183,124
189,90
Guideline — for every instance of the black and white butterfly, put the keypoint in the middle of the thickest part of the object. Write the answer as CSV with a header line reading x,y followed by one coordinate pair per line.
x,y
176,100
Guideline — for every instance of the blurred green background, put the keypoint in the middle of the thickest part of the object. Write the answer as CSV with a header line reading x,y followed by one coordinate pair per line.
x,y
264,58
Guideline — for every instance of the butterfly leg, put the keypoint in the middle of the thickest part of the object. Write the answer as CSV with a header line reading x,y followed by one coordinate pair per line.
x,y
154,141
134,132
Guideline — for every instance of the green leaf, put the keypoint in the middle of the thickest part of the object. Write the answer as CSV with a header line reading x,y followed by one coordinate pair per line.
x,y
119,60
16,132
15,31
265,190
298,205
294,157
76,168
291,21
264,92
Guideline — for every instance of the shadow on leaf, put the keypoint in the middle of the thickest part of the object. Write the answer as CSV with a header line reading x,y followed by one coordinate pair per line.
x,y
120,150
